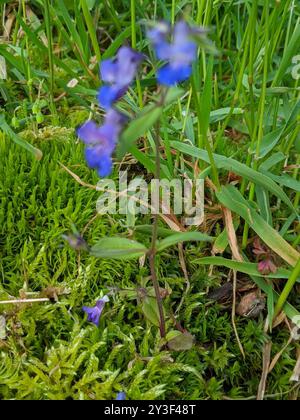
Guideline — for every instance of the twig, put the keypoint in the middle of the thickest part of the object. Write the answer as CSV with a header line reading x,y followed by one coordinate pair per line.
x,y
233,316
237,256
266,366
15,301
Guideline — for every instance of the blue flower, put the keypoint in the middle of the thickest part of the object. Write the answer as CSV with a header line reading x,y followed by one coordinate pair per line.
x,y
121,396
101,141
158,34
94,313
118,73
180,54
108,95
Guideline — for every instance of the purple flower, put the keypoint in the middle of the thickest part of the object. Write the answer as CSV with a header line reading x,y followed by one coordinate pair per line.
x,y
180,54
101,141
94,313
118,73
121,396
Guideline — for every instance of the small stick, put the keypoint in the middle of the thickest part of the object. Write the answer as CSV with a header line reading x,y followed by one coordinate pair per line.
x,y
15,301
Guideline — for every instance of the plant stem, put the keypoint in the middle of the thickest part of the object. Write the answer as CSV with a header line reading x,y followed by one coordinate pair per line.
x,y
152,251
287,289
133,44
16,301
51,63
173,12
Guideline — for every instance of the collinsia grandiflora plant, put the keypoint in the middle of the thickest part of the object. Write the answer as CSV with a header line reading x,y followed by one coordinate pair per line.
x,y
177,49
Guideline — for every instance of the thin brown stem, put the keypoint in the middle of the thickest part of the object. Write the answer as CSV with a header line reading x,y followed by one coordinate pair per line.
x,y
152,251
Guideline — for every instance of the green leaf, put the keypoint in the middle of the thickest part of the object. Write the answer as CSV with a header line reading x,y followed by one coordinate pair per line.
x,y
270,304
181,341
270,140
272,161
291,50
150,310
242,267
231,198
285,180
118,248
182,237
63,11
144,122
172,95
148,229
222,242
18,140
118,41
223,162
263,202
221,113
137,128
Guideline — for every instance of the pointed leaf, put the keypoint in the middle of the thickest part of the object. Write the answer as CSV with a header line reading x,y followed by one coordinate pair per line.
x,y
118,248
182,237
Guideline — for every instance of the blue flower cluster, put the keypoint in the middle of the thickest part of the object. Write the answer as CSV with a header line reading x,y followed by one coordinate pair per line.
x,y
179,54
101,141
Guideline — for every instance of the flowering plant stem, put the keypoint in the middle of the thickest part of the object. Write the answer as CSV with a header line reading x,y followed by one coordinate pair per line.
x,y
152,251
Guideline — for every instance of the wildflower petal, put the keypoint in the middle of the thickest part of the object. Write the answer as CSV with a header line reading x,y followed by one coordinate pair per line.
x,y
108,71
95,312
92,157
170,76
128,61
89,133
109,94
159,32
163,51
105,166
